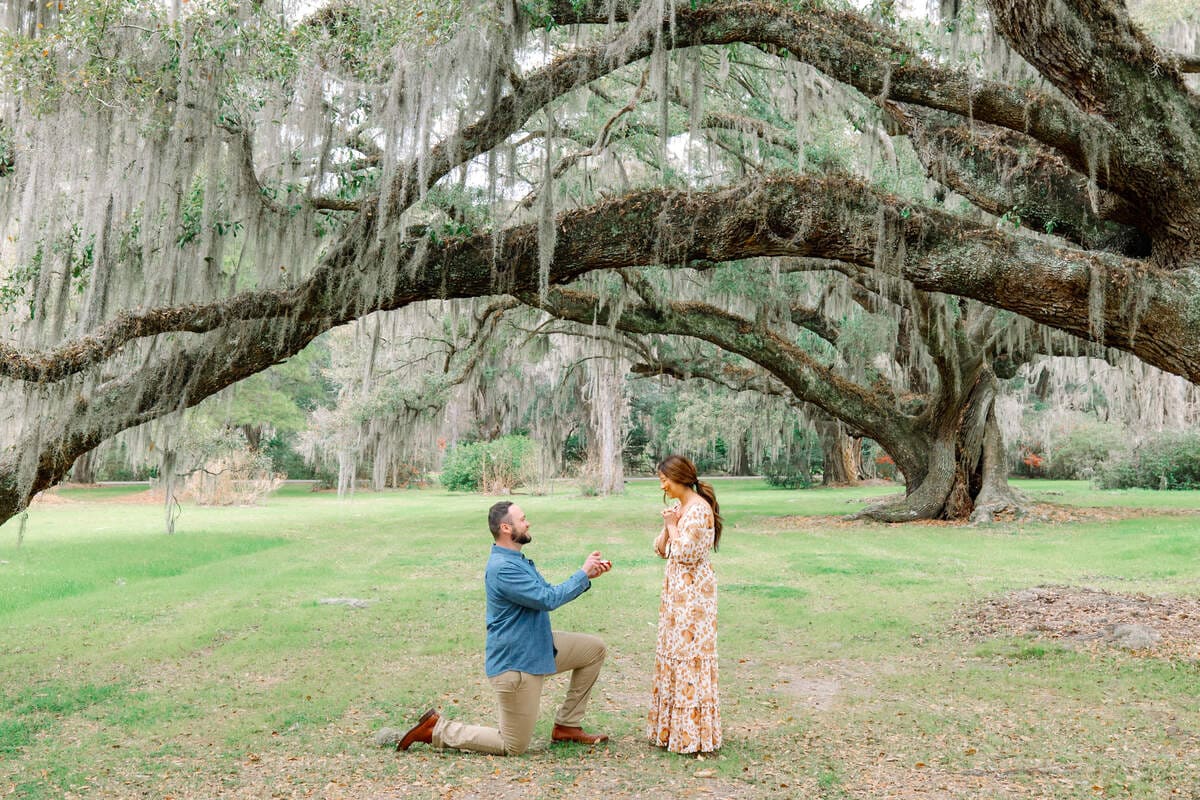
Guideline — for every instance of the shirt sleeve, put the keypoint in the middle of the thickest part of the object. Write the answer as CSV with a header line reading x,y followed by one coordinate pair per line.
x,y
525,587
693,538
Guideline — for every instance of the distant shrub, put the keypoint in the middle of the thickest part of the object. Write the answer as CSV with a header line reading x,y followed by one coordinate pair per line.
x,y
1080,453
462,469
787,473
1166,461
885,466
494,467
405,475
239,477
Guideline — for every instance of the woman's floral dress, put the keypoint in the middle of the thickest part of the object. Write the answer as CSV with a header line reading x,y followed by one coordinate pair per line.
x,y
685,710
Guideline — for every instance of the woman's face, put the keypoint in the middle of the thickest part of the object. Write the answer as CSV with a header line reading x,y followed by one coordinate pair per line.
x,y
669,486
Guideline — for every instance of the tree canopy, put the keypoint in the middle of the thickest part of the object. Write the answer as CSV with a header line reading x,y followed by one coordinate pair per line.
x,y
193,196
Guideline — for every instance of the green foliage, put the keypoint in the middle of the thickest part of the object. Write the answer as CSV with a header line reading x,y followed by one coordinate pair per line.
x,y
360,38
7,156
1084,449
191,216
128,55
73,256
260,401
19,282
281,449
489,466
116,463
1169,460
787,473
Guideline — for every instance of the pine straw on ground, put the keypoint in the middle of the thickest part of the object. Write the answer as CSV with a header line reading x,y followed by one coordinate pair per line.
x,y
51,497
1081,617
1047,513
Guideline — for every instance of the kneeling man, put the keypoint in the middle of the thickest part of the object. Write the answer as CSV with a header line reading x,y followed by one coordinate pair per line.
x,y
522,650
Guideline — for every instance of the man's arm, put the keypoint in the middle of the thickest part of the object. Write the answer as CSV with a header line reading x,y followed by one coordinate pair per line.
x,y
523,586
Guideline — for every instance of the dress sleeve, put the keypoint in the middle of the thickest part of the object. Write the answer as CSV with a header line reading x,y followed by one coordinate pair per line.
x,y
693,538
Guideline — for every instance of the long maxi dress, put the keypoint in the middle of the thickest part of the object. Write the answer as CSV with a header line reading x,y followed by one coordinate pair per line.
x,y
685,708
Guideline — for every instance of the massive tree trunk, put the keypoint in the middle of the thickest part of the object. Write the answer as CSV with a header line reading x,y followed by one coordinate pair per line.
x,y
966,475
606,400
739,459
841,453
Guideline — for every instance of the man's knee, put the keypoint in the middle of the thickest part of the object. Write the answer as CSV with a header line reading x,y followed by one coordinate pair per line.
x,y
601,649
516,746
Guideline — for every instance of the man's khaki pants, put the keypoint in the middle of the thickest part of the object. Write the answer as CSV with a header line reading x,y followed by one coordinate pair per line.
x,y
520,695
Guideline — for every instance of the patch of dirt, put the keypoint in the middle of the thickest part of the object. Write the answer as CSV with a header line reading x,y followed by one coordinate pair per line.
x,y
859,484
818,694
50,498
891,778
1035,512
822,685
1085,617
155,497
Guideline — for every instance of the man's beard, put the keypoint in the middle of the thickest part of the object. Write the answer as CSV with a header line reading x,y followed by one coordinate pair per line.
x,y
522,538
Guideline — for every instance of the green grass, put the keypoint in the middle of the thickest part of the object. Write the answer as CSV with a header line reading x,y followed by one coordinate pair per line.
x,y
203,664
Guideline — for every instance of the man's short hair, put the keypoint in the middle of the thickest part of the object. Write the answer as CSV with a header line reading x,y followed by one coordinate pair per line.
x,y
498,515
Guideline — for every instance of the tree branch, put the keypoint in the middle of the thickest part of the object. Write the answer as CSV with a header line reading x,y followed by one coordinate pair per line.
x,y
1012,176
837,219
807,379
1145,311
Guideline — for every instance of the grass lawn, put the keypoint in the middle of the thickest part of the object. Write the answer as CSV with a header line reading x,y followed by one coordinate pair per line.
x,y
202,665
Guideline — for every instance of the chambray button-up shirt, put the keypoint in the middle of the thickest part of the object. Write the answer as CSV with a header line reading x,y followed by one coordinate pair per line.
x,y
519,602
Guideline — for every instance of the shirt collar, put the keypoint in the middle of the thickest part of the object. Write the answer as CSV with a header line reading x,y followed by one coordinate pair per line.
x,y
509,553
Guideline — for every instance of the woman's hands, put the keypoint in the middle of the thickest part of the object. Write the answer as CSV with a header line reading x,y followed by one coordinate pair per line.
x,y
660,544
671,517
670,525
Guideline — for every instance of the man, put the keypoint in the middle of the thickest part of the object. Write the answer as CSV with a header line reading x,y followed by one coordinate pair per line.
x,y
522,650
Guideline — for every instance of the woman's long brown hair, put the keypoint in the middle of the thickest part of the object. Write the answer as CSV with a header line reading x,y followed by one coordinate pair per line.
x,y
681,470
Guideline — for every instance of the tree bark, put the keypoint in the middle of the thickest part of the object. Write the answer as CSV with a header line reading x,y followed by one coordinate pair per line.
x,y
841,454
84,470
967,476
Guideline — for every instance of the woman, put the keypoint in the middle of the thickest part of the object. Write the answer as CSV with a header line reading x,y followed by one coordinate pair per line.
x,y
685,711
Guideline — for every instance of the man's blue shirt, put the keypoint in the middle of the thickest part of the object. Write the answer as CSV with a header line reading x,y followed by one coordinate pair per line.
x,y
519,602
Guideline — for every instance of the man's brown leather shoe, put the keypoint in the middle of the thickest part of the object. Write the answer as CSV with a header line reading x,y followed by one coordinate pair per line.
x,y
421,732
564,733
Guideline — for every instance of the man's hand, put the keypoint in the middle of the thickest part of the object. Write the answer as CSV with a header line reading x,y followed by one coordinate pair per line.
x,y
595,566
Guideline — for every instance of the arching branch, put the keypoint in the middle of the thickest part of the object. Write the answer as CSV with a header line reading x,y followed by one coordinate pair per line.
x,y
1012,176
836,219
807,379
